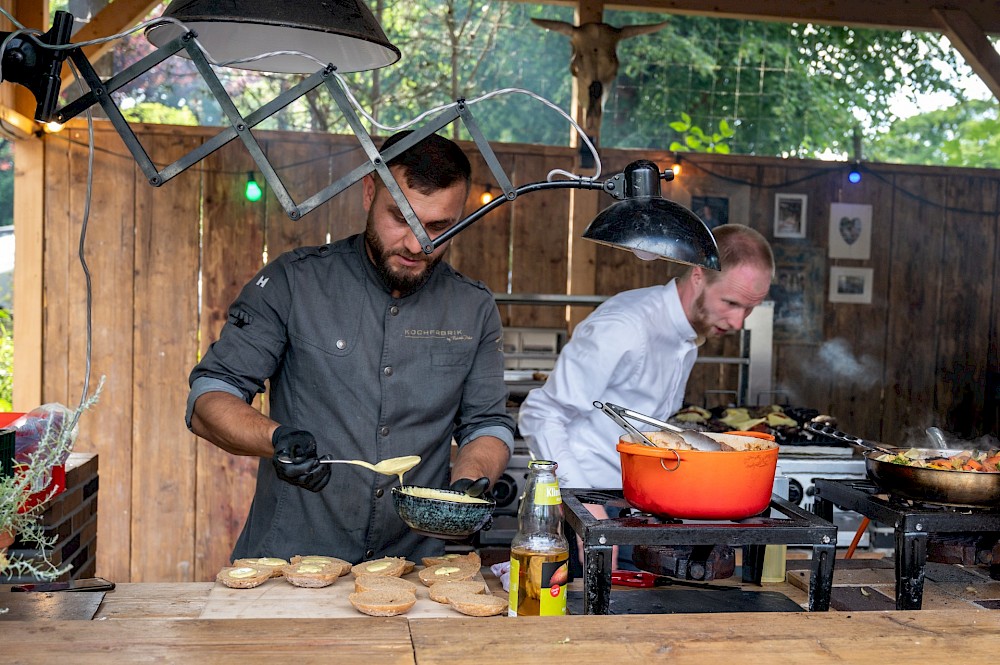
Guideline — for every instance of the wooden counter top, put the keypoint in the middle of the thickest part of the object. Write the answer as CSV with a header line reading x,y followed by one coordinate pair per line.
x,y
966,636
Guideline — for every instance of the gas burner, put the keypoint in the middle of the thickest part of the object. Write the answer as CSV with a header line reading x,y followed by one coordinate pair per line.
x,y
916,525
784,523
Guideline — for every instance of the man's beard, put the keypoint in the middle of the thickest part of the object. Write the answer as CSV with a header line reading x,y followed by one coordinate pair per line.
x,y
700,317
405,283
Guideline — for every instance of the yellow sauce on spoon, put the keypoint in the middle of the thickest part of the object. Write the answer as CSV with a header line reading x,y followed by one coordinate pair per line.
x,y
394,466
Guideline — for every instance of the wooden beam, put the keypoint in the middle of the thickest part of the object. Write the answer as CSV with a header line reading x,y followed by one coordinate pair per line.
x,y
29,214
970,40
14,125
114,18
883,14
30,14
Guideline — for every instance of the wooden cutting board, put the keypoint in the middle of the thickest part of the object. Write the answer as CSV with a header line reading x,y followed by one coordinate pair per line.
x,y
78,605
276,598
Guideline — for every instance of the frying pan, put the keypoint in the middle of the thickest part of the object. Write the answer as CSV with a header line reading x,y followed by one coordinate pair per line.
x,y
961,488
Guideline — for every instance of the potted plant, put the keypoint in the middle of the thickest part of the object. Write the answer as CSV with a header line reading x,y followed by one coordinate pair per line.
x,y
18,521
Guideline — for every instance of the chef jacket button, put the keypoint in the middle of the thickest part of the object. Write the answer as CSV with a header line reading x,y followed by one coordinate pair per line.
x,y
394,310
341,344
379,492
384,431
387,371
369,554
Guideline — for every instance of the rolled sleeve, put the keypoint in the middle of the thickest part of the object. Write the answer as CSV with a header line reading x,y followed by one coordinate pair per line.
x,y
206,384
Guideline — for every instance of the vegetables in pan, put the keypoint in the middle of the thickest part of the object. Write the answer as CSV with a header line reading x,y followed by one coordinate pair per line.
x,y
985,461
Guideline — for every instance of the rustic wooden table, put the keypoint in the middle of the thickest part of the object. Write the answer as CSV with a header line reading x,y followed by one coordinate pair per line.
x,y
203,622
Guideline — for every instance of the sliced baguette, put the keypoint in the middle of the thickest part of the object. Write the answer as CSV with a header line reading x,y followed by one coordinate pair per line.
x,y
441,591
343,566
311,575
477,604
385,603
364,583
469,559
446,572
273,564
390,566
243,577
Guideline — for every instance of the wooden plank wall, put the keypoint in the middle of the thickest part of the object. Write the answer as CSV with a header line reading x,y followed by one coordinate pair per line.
x,y
167,261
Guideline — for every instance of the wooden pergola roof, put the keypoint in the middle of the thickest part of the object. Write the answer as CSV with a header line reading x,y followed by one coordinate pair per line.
x,y
966,23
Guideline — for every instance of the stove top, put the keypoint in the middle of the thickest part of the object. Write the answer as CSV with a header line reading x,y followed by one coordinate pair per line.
x,y
783,523
915,525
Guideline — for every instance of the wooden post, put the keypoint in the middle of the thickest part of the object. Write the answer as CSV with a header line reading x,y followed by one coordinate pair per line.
x,y
584,205
29,209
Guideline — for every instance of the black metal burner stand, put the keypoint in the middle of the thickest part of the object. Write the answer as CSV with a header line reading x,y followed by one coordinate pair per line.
x,y
913,524
790,526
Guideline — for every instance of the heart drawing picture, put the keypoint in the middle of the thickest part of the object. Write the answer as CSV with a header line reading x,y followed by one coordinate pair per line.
x,y
850,229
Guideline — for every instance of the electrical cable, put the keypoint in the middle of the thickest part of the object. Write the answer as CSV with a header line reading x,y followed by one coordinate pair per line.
x,y
83,258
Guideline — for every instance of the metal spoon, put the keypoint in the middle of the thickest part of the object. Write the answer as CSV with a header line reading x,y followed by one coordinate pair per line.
x,y
937,438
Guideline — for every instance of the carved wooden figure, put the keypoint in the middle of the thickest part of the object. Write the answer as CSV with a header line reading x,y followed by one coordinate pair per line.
x,y
595,63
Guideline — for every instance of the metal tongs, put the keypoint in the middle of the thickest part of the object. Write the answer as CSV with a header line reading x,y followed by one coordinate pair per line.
x,y
612,412
617,413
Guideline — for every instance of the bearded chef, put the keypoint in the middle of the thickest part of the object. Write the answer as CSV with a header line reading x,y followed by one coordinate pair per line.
x,y
373,350
637,350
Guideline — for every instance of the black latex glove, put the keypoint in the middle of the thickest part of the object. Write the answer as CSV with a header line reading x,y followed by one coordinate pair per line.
x,y
474,488
304,469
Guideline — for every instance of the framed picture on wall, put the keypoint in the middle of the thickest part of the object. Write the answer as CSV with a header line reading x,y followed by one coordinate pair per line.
x,y
790,215
713,210
850,231
852,285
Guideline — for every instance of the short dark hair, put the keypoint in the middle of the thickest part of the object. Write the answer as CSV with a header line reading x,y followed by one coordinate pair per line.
x,y
432,164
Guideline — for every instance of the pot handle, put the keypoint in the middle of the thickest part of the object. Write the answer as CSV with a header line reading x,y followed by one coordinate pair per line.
x,y
676,464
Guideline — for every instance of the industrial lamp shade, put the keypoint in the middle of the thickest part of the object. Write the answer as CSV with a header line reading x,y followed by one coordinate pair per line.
x,y
645,222
343,33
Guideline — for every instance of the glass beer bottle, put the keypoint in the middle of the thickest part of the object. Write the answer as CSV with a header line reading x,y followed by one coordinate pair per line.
x,y
539,553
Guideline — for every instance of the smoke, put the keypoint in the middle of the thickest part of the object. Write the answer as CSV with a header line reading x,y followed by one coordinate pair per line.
x,y
835,360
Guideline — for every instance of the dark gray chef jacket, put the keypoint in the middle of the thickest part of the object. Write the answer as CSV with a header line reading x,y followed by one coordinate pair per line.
x,y
371,377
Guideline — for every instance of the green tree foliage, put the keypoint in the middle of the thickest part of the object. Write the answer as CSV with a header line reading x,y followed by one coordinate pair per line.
x,y
786,89
782,89
6,183
6,361
961,135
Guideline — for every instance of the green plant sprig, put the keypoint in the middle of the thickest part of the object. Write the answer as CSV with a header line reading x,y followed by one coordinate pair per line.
x,y
54,446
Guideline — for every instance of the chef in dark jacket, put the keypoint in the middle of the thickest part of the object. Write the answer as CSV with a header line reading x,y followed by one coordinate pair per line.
x,y
373,350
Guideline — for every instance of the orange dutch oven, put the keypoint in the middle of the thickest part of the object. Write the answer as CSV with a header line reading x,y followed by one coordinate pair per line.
x,y
694,484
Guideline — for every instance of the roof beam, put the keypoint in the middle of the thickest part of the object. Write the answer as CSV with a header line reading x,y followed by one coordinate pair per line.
x,y
114,18
970,40
882,14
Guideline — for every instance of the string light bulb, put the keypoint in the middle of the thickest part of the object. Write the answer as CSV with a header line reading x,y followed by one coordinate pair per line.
x,y
676,168
252,192
52,127
854,175
487,195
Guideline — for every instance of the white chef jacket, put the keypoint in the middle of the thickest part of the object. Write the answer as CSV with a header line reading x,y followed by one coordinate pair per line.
x,y
636,350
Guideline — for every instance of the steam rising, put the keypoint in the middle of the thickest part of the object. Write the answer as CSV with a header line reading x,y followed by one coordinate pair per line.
x,y
836,359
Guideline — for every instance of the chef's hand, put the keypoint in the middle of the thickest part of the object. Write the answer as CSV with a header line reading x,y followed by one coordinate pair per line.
x,y
304,469
473,488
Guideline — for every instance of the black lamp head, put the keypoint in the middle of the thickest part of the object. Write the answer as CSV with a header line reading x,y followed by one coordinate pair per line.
x,y
646,223
343,33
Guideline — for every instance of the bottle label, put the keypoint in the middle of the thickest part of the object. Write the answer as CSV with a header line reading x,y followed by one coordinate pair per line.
x,y
547,494
538,583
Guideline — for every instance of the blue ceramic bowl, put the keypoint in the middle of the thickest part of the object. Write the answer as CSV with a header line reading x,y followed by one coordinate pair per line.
x,y
439,518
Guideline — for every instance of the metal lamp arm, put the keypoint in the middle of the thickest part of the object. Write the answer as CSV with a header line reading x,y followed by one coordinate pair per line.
x,y
607,186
